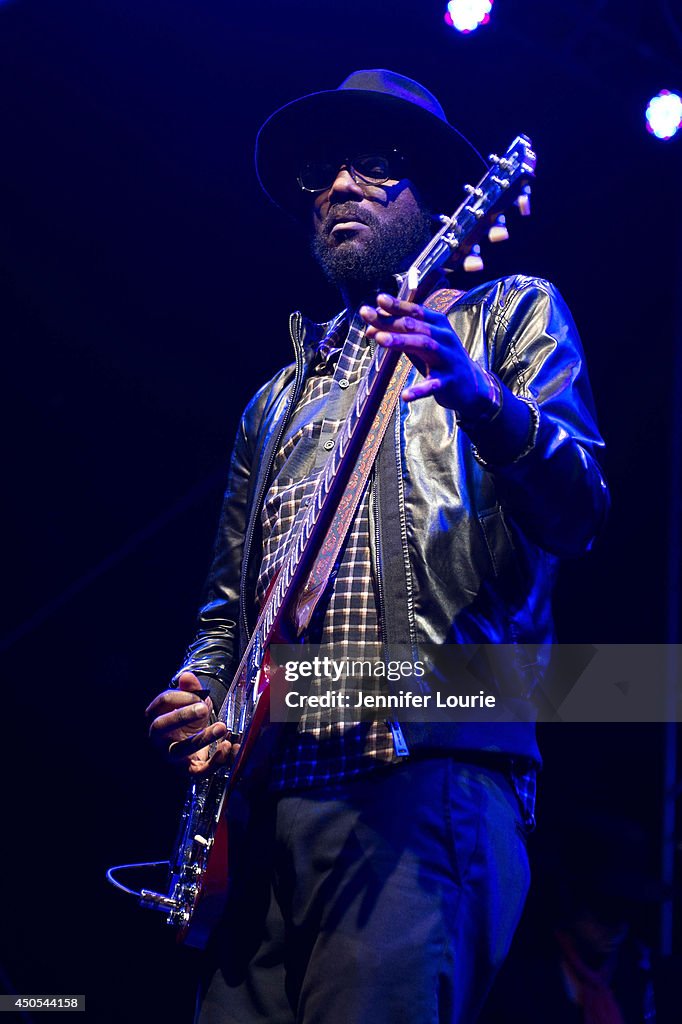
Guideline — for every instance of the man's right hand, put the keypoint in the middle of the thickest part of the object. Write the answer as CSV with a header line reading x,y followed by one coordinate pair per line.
x,y
179,728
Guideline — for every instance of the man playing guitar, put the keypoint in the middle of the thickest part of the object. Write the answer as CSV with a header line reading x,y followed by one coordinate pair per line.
x,y
380,870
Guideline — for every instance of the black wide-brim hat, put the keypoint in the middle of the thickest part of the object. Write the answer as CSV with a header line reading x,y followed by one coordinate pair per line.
x,y
369,110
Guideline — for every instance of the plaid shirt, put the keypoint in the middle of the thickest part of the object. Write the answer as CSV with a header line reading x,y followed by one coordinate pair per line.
x,y
324,749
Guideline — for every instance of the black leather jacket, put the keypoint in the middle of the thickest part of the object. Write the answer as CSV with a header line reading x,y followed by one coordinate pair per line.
x,y
463,552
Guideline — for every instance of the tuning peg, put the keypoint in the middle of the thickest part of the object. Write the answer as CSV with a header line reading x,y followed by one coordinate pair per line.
x,y
473,261
523,201
498,232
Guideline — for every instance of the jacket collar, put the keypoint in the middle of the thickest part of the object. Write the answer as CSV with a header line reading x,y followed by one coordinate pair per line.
x,y
312,335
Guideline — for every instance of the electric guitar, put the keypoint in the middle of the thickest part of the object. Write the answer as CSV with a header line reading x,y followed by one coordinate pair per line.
x,y
198,869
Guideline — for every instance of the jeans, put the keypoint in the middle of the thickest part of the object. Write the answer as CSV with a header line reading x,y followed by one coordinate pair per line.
x,y
390,899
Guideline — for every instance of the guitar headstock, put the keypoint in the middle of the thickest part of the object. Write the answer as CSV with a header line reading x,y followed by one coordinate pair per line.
x,y
457,242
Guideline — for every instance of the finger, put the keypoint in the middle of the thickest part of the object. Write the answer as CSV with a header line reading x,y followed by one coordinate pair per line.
x,y
407,317
422,390
421,345
183,748
169,700
223,753
372,315
189,690
180,723
401,325
188,682
400,307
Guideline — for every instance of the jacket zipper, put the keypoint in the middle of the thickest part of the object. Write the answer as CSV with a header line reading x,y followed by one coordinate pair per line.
x,y
400,746
403,538
294,330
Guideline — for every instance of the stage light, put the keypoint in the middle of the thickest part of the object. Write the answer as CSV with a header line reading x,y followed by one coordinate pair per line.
x,y
467,15
664,114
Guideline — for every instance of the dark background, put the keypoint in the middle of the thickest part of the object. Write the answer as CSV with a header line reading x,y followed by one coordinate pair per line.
x,y
145,286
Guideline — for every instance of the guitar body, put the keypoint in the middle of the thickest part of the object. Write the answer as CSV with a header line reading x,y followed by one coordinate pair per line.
x,y
198,883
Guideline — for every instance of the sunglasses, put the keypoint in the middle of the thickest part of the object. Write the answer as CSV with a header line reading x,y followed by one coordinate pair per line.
x,y
370,168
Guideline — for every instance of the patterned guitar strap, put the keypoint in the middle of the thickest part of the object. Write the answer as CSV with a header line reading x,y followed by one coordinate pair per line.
x,y
442,301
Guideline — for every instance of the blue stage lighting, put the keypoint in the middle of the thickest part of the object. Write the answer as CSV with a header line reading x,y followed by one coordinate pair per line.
x,y
664,114
467,15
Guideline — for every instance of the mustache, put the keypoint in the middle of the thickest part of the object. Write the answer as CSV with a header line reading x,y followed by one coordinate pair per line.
x,y
347,211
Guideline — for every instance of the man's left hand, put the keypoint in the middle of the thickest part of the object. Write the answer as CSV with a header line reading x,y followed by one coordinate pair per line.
x,y
427,337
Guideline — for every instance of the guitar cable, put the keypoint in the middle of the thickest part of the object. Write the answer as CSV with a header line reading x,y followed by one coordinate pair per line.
x,y
127,867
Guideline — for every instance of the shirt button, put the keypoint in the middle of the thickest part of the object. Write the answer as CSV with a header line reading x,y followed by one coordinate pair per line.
x,y
343,383
328,445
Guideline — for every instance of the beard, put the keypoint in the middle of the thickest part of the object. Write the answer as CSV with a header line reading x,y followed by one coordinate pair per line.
x,y
363,266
